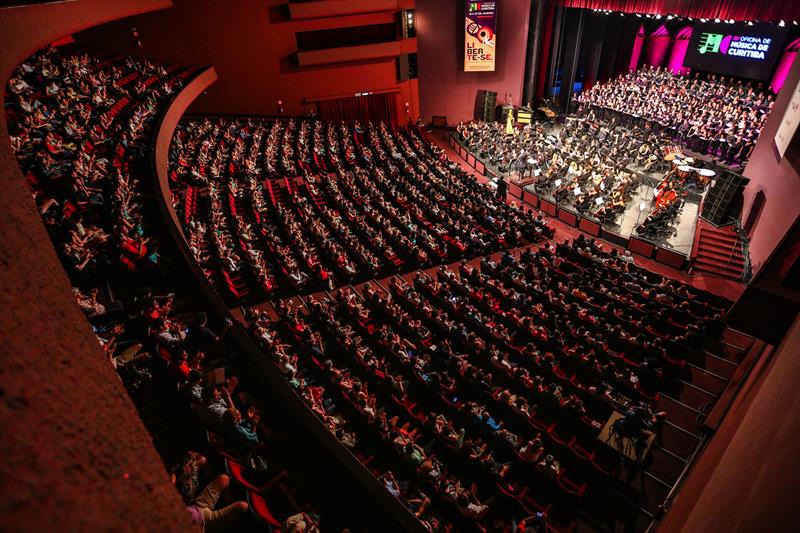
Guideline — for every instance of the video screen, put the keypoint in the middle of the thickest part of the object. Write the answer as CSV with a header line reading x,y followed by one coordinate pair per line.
x,y
736,49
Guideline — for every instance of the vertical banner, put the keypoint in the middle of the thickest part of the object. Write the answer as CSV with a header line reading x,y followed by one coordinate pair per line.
x,y
479,36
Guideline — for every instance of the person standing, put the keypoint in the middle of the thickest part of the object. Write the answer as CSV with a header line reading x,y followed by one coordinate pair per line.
x,y
502,188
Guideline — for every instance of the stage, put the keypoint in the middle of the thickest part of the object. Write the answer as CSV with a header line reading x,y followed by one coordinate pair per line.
x,y
672,249
679,240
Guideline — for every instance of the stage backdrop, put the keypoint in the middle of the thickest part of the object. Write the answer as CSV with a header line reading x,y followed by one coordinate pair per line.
x,y
479,36
736,49
444,87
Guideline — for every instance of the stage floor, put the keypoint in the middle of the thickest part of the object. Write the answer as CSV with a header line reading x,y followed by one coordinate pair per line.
x,y
681,237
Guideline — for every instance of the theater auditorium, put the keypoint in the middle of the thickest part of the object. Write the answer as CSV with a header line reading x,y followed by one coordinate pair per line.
x,y
516,266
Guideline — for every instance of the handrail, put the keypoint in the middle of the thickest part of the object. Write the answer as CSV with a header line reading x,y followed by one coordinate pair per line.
x,y
733,249
747,267
400,515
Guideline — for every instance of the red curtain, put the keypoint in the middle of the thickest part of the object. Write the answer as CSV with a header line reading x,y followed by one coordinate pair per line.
x,y
544,51
764,10
369,108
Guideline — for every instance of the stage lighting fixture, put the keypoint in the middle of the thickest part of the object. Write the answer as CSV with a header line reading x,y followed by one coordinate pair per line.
x,y
669,17
639,15
794,22
749,22
782,24
658,17
702,20
716,20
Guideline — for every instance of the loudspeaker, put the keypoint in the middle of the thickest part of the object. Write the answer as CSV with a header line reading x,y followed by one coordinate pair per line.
x,y
406,67
724,199
485,102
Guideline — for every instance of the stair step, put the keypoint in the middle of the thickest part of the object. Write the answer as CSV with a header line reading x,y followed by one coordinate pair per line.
x,y
719,263
721,237
727,275
735,259
702,264
719,247
727,246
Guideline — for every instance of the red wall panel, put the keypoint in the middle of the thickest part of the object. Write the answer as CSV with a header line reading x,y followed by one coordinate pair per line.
x,y
778,180
445,89
251,44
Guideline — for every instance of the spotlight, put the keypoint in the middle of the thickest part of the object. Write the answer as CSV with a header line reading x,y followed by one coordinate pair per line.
x,y
640,15
716,20
749,22
703,20
731,21
658,17
794,22
669,17
782,24
690,18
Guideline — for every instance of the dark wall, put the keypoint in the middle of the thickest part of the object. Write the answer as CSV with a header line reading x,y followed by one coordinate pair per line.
x,y
445,89
249,43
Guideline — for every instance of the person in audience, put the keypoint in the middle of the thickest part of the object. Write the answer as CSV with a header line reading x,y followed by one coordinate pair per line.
x,y
301,523
203,508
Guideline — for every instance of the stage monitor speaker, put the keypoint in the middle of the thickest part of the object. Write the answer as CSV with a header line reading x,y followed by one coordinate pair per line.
x,y
485,102
724,199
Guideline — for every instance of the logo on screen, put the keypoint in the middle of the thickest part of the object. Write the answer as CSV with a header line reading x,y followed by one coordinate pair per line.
x,y
710,42
745,46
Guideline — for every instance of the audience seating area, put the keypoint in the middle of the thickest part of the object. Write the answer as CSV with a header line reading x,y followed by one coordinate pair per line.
x,y
78,123
290,207
476,394
81,125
